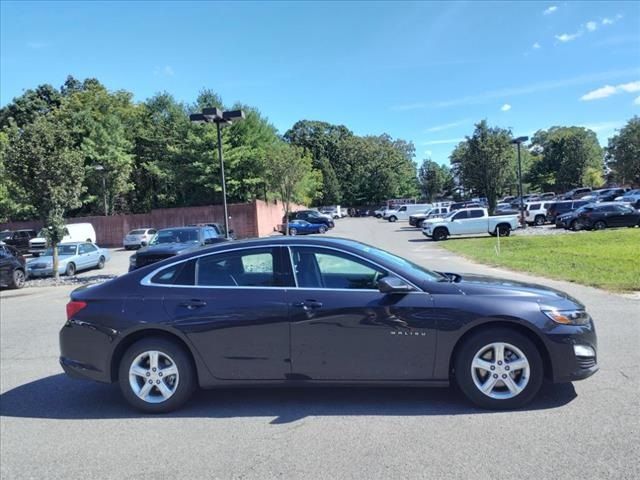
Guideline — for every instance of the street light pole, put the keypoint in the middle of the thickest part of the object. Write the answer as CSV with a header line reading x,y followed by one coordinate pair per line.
x,y
519,141
103,171
220,118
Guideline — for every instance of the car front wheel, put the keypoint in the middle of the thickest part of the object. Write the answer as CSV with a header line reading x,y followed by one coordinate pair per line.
x,y
100,265
70,270
393,218
156,375
499,369
18,278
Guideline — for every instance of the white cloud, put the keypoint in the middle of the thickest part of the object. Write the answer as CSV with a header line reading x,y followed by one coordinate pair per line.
x,y
592,26
446,126
489,95
37,45
428,153
567,37
443,142
637,101
536,45
506,107
166,71
607,21
608,90
550,10
601,127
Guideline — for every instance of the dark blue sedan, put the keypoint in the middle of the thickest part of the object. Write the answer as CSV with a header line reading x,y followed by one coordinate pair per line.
x,y
302,227
321,311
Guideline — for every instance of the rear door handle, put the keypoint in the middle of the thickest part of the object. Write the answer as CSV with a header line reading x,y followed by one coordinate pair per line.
x,y
193,304
308,304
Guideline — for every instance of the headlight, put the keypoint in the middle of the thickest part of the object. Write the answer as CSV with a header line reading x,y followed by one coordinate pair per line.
x,y
132,260
568,317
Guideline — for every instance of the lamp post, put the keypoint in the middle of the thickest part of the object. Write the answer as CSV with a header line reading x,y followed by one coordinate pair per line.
x,y
103,171
220,118
518,141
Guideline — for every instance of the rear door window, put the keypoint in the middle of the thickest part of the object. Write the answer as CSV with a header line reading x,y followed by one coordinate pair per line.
x,y
256,267
476,214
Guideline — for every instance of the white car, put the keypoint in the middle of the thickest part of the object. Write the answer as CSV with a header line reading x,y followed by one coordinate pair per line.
x,y
76,232
403,212
135,238
469,221
535,213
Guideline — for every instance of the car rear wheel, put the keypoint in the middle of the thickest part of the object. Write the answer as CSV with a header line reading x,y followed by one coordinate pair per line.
x,y
293,232
100,265
71,270
18,278
156,375
503,230
539,220
499,369
322,229
599,225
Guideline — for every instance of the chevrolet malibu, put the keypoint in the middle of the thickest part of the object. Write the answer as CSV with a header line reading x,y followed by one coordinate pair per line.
x,y
321,311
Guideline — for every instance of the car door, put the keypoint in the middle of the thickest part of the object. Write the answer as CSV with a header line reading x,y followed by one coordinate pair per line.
x,y
85,258
343,328
232,306
6,266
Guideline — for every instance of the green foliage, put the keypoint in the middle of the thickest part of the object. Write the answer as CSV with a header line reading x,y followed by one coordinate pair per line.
x,y
435,180
566,153
483,162
623,153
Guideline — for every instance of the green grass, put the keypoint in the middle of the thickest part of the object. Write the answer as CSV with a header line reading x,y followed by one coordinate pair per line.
x,y
608,259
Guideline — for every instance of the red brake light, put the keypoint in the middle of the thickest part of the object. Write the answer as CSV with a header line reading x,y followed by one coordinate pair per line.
x,y
74,307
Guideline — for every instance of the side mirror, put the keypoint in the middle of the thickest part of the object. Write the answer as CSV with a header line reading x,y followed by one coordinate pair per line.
x,y
143,243
391,284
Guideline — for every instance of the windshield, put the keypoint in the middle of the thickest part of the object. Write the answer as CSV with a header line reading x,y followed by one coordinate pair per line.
x,y
175,235
137,232
402,264
62,250
5,235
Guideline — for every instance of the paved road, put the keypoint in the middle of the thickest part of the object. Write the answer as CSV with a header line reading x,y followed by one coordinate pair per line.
x,y
53,427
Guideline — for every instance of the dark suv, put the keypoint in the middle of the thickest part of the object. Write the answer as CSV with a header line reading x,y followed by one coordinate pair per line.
x,y
311,216
598,216
20,239
12,267
565,206
170,242
576,193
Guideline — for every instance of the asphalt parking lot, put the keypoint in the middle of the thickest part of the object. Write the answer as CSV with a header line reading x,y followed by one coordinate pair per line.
x,y
55,427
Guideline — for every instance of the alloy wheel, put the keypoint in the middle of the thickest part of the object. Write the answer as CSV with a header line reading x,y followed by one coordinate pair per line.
x,y
153,376
18,278
500,370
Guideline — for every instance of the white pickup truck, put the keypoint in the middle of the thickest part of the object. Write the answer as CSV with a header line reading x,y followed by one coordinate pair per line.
x,y
469,221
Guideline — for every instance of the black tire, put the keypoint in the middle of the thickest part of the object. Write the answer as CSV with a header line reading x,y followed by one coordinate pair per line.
x,y
100,265
17,279
378,215
575,226
419,224
503,230
293,232
183,362
440,234
36,254
71,269
539,220
322,229
393,218
467,351
599,225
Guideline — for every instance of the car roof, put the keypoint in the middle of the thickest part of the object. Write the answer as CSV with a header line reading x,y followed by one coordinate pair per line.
x,y
184,228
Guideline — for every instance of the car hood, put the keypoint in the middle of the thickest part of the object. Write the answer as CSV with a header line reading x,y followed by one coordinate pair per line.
x,y
484,285
168,248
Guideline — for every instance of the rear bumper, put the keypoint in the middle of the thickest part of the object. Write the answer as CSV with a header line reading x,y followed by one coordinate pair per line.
x,y
85,351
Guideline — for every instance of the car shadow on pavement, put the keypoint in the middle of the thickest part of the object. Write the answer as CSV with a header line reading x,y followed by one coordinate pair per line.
x,y
60,397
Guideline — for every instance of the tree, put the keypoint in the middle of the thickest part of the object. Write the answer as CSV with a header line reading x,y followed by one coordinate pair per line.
x,y
484,161
566,154
29,106
45,164
434,179
291,175
623,153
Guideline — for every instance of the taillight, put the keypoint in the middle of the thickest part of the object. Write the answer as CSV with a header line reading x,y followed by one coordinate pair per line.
x,y
74,307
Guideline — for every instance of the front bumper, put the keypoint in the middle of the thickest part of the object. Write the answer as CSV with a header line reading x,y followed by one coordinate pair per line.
x,y
566,365
44,272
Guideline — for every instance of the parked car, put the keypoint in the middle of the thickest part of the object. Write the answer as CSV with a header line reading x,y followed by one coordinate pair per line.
x,y
302,227
461,205
138,238
576,193
605,194
507,199
169,242
302,307
505,209
5,234
535,213
379,212
77,232
632,197
311,216
19,239
218,227
417,219
13,271
598,216
556,209
72,257
547,196
469,221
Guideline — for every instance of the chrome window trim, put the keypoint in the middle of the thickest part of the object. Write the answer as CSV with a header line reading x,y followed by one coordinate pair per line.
x,y
146,280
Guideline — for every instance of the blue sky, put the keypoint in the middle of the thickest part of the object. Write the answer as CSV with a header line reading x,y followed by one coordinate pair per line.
x,y
424,72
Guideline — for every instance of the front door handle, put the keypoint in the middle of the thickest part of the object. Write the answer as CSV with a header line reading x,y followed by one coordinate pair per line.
x,y
193,304
308,304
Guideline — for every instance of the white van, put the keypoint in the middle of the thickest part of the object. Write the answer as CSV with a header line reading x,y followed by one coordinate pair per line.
x,y
404,211
77,232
